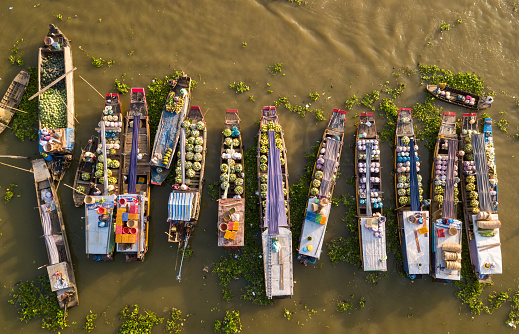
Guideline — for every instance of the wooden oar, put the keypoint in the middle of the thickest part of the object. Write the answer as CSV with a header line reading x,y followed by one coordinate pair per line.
x,y
25,112
25,170
52,83
88,83
82,193
13,156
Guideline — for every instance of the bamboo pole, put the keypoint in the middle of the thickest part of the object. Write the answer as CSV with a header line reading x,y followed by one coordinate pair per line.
x,y
6,106
92,86
82,193
68,110
13,156
25,170
52,83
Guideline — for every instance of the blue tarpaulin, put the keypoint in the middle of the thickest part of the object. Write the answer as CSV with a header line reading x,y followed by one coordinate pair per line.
x,y
180,205
415,195
132,172
275,213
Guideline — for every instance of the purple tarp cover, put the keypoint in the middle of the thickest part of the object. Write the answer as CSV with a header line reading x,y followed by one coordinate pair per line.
x,y
448,210
132,171
275,213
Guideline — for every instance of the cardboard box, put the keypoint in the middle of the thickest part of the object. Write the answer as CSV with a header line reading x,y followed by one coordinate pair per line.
x,y
133,216
236,226
118,229
119,221
134,208
119,238
132,238
323,221
120,211
125,217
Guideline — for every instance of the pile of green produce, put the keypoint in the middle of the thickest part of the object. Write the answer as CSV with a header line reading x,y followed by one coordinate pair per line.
x,y
232,170
53,109
194,150
175,106
52,67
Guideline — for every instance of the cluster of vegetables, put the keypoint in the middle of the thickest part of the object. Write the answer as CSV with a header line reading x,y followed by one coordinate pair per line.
x,y
263,158
404,172
85,176
175,103
232,171
194,149
111,180
80,189
53,109
167,156
316,183
52,67
470,185
100,170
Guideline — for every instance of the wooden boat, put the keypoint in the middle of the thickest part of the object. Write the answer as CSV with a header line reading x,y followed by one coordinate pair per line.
x,y
321,189
168,132
60,269
371,222
231,203
85,173
12,98
446,229
413,222
56,102
89,178
184,200
459,97
274,207
479,197
100,227
133,204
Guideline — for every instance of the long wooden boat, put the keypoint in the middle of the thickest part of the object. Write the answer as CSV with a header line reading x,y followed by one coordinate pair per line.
x,y
413,222
274,207
56,103
321,189
184,200
459,97
446,228
60,269
133,201
479,197
231,202
12,98
168,132
368,180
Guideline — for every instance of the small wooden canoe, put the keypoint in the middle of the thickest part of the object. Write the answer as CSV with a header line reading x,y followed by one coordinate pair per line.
x,y
459,97
12,98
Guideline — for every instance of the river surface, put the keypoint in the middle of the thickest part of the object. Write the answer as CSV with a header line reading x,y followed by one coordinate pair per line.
x,y
335,48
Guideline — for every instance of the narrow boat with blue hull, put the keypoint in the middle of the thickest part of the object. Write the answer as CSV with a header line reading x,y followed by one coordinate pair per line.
x,y
446,228
371,222
321,189
133,201
413,221
56,102
60,269
479,196
168,132
184,200
274,207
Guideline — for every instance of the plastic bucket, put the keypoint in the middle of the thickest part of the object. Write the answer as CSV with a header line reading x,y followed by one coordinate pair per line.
x,y
223,227
89,200
101,210
122,201
133,230
126,230
131,223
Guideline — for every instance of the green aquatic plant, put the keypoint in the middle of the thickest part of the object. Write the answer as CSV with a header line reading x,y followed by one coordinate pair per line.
x,y
15,58
318,114
370,98
314,96
343,306
390,112
352,101
244,44
9,192
135,322
239,87
444,26
469,82
287,314
502,124
90,322
231,324
175,324
121,87
394,92
35,299
275,69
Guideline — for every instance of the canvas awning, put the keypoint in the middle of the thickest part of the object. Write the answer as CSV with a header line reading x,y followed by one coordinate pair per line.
x,y
181,205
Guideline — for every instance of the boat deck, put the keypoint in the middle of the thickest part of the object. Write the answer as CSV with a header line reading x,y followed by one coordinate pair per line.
x,y
279,281
235,237
416,242
374,256
99,237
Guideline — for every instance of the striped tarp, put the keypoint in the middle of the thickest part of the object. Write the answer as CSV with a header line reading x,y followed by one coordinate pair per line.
x,y
275,214
480,157
369,147
415,195
47,234
449,209
180,206
330,158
